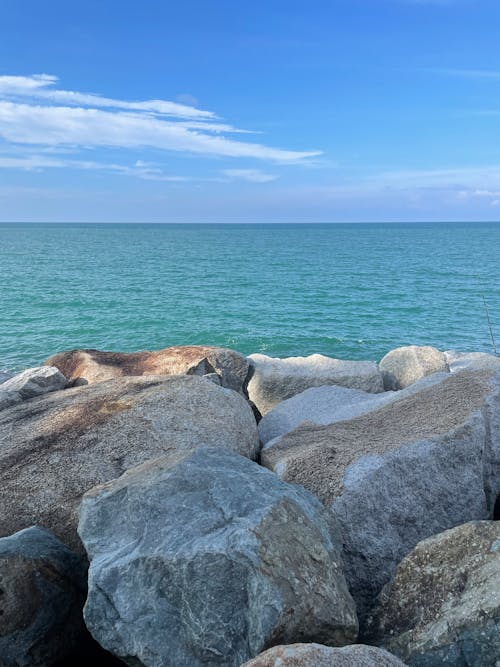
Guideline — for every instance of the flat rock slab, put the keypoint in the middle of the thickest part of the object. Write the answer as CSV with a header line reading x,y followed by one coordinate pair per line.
x,y
316,655
56,447
42,591
208,560
274,380
330,404
401,473
405,365
443,605
30,383
89,366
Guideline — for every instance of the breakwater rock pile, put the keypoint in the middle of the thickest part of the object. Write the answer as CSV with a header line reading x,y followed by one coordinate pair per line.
x,y
193,507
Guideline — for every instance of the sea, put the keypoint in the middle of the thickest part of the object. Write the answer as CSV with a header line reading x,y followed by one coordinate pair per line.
x,y
351,291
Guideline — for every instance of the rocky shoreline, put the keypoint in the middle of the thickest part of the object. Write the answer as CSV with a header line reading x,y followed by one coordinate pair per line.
x,y
193,507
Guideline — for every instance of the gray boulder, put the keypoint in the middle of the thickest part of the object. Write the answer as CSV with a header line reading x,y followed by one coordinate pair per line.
x,y
316,655
330,404
208,560
30,383
443,605
42,592
56,447
274,380
405,365
400,473
473,361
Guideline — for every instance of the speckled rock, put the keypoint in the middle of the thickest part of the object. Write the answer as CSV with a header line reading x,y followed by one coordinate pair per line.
x,y
473,361
405,365
316,655
330,404
56,447
274,380
208,560
30,383
443,605
401,473
42,592
89,366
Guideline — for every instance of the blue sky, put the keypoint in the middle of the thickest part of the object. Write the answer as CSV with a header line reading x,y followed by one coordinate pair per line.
x,y
303,111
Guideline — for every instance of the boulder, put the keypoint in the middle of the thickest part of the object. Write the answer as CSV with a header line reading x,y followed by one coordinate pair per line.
x,y
405,365
208,560
56,447
400,473
42,593
330,404
316,655
30,383
443,605
89,366
274,380
475,361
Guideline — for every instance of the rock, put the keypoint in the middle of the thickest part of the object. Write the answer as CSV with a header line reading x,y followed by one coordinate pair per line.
x,y
443,605
475,361
30,383
42,592
405,365
274,380
208,560
330,404
56,447
89,366
316,655
400,473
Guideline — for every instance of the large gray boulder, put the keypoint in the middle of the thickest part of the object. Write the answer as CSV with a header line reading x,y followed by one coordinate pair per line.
x,y
400,473
30,383
443,605
274,380
42,592
473,361
316,655
208,560
56,447
405,365
330,404
89,366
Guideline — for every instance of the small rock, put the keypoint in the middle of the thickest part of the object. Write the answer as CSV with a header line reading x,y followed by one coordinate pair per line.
x,y
89,366
316,655
274,380
443,605
30,383
405,365
208,560
42,592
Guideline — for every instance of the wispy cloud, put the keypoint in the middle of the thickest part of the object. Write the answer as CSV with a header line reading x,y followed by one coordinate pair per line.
x,y
34,113
251,175
467,73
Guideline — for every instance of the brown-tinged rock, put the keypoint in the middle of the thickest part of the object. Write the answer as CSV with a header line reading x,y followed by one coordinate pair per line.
x,y
317,655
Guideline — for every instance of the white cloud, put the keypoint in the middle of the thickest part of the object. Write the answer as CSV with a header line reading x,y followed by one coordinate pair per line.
x,y
252,175
33,113
467,73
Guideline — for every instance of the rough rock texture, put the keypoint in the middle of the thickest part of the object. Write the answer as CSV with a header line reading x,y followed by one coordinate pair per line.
x,y
56,447
316,655
330,404
207,561
30,383
405,365
443,605
42,592
89,366
399,474
474,361
274,380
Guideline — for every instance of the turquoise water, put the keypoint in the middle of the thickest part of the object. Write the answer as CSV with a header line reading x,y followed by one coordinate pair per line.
x,y
351,291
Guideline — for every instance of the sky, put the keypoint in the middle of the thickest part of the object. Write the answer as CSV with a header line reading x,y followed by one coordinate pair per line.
x,y
263,111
